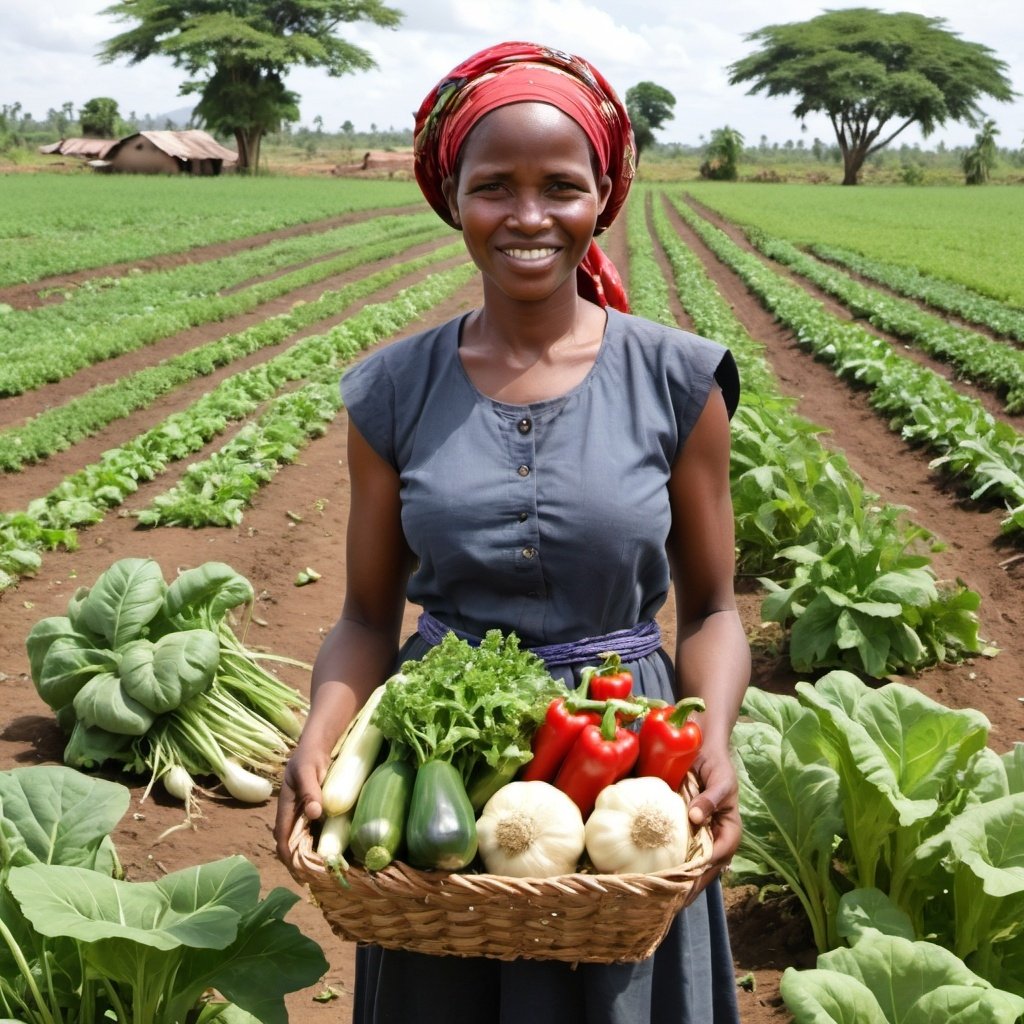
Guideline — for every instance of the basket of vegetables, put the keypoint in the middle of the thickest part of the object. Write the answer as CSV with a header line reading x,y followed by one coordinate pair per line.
x,y
476,807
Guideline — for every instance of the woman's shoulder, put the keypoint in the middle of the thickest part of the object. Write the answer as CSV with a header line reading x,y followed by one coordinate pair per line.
x,y
681,357
407,357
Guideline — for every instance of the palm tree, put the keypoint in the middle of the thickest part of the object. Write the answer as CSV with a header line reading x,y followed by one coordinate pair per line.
x,y
979,160
722,154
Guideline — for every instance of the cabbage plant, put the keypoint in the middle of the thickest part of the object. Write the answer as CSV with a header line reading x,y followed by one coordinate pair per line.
x,y
152,677
79,944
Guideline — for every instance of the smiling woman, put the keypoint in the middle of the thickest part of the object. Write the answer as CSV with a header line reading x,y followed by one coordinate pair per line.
x,y
551,466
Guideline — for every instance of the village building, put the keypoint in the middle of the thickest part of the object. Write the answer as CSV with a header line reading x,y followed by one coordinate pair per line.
x,y
191,151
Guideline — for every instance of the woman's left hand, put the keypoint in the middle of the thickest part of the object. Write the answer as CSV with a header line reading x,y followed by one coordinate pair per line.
x,y
717,804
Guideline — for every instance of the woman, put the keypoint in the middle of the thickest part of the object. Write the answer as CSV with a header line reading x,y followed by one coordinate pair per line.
x,y
549,465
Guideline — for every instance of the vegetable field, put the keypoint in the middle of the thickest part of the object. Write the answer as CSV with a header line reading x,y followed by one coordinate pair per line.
x,y
168,390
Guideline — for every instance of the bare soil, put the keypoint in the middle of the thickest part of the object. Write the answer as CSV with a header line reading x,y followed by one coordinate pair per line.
x,y
299,520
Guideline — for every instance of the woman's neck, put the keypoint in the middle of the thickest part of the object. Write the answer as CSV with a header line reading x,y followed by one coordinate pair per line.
x,y
531,352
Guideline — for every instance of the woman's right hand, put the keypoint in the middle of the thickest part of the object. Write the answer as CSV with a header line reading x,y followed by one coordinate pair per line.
x,y
300,793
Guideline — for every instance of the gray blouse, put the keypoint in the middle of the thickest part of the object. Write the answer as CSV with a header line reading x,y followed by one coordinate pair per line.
x,y
549,519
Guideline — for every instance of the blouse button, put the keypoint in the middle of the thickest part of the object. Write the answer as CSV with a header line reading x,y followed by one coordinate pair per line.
x,y
525,425
523,516
529,552
524,470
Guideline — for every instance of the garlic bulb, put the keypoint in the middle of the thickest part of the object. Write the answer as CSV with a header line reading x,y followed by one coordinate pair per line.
x,y
530,830
638,825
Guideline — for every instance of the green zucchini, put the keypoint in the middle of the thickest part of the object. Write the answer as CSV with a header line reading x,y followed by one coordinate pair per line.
x,y
378,823
441,829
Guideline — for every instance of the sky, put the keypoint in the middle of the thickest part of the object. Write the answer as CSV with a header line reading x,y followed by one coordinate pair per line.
x,y
48,57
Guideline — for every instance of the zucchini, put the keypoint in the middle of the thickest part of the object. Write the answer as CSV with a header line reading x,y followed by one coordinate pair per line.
x,y
378,823
355,754
441,830
485,781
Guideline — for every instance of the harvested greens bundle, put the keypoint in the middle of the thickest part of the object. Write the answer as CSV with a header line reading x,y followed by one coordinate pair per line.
x,y
475,707
153,676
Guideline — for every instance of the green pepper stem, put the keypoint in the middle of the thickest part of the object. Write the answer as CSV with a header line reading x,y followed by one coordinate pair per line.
x,y
684,708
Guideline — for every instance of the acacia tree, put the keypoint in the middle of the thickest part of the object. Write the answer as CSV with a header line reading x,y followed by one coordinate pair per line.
x,y
874,74
238,52
649,106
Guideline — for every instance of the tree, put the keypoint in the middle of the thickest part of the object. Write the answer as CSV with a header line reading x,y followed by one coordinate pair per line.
x,y
239,51
723,152
979,160
649,106
99,118
873,72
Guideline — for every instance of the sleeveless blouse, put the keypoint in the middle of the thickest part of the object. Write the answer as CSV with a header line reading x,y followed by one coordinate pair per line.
x,y
549,519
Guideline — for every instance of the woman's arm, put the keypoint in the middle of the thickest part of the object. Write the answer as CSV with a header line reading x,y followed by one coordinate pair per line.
x,y
360,650
712,653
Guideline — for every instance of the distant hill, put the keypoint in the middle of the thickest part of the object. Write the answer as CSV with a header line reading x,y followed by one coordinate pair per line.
x,y
179,118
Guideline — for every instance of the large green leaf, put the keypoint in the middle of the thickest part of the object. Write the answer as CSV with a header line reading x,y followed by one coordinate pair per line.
x,y
69,663
123,601
983,847
204,594
922,983
197,906
104,704
897,753
39,638
165,674
55,815
240,972
790,808
828,997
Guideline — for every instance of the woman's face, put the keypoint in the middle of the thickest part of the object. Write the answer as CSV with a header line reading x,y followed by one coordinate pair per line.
x,y
527,198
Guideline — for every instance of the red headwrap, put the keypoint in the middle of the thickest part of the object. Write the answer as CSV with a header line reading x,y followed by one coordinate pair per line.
x,y
515,73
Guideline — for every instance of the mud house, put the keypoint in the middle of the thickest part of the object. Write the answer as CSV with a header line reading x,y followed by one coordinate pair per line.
x,y
84,149
191,151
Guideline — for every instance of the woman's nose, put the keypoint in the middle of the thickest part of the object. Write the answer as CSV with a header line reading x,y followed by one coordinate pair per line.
x,y
530,213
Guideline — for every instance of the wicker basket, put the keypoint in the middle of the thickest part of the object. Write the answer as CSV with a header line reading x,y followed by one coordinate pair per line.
x,y
576,918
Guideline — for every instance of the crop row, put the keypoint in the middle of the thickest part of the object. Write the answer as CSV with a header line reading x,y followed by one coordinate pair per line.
x,y
977,357
87,495
54,227
51,343
985,454
846,577
947,296
59,428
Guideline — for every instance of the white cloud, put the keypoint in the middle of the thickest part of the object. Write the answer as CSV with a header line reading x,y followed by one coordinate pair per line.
x,y
47,57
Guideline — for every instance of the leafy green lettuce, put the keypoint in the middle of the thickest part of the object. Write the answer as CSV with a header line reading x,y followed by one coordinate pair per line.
x,y
468,704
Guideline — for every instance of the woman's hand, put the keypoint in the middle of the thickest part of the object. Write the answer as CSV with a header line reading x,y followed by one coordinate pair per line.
x,y
717,805
300,793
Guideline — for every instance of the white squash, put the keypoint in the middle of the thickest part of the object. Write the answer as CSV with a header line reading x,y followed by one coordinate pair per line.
x,y
638,825
530,830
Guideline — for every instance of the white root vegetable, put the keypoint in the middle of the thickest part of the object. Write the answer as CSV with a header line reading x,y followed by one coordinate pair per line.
x,y
638,825
354,759
334,836
530,830
244,785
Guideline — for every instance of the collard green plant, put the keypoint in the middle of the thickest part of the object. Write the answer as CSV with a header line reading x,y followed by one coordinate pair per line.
x,y
78,944
841,784
888,977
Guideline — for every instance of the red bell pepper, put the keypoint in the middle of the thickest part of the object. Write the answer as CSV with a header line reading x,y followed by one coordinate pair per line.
x,y
670,741
609,681
553,740
601,755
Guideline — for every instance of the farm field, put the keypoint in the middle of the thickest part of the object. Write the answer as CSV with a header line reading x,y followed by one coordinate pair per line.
x,y
220,382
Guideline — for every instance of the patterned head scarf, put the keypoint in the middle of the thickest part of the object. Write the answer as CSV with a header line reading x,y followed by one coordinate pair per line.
x,y
519,72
